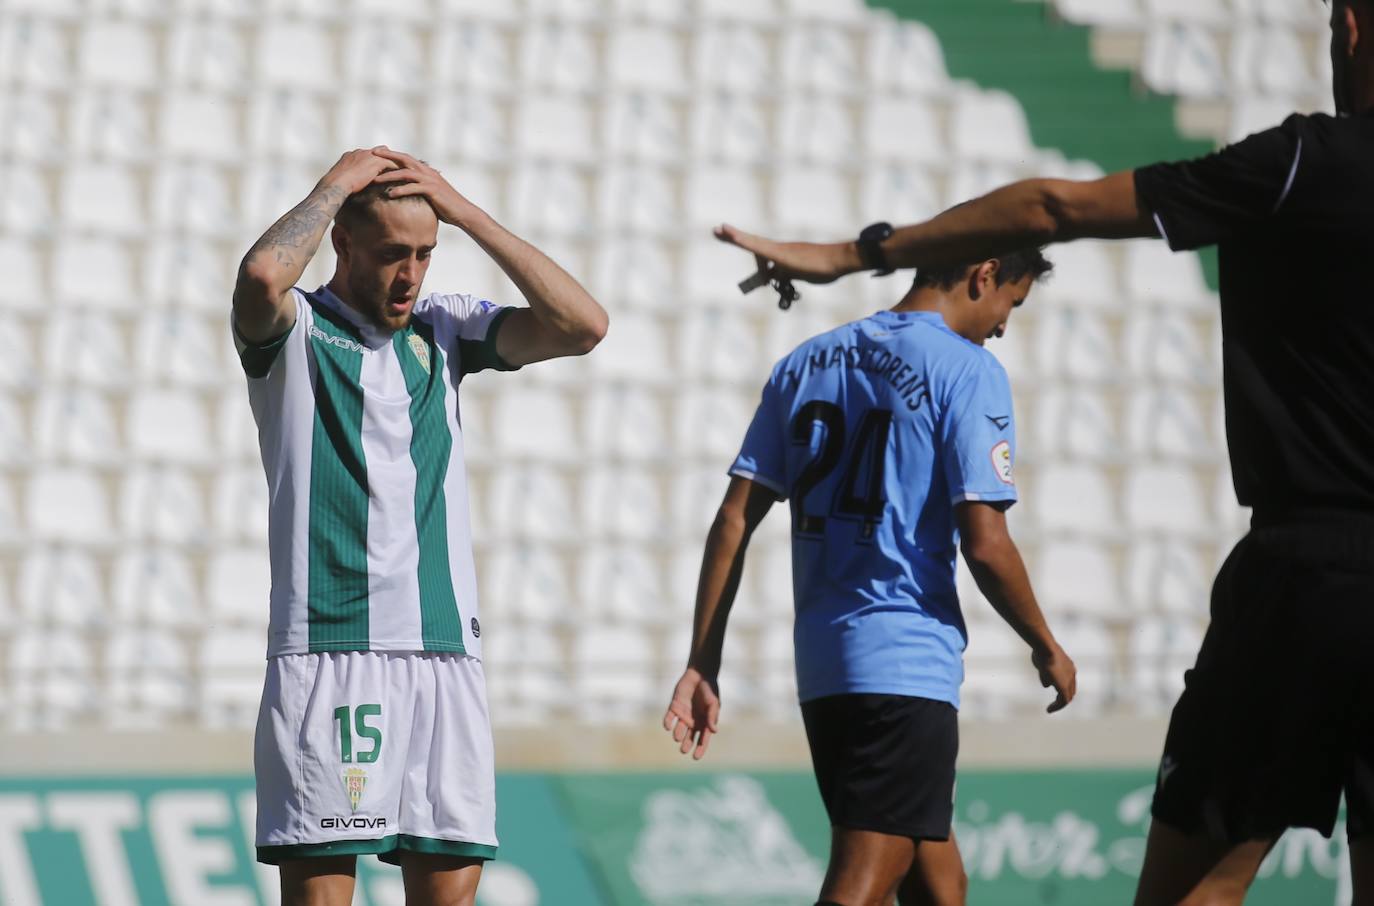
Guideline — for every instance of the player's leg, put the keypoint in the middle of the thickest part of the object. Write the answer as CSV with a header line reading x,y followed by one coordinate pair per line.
x,y
865,867
936,876
432,880
1195,870
448,808
885,768
321,881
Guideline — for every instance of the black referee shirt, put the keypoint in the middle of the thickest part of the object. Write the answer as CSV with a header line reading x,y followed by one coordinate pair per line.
x,y
1291,210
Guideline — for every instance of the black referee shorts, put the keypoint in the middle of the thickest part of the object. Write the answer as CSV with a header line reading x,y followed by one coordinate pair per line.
x,y
885,763
1277,716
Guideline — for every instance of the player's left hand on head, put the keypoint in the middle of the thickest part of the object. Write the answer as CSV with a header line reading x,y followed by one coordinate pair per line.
x,y
693,713
1056,669
413,176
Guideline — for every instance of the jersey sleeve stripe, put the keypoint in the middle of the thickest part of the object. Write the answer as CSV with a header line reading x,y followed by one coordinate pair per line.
x,y
771,484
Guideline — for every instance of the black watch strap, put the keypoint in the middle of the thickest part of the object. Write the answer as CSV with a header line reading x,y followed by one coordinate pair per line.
x,y
870,251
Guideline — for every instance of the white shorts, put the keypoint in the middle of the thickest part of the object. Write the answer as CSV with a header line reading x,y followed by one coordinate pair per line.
x,y
374,752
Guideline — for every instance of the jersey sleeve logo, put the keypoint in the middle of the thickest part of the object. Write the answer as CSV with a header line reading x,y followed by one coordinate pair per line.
x,y
1001,461
1001,421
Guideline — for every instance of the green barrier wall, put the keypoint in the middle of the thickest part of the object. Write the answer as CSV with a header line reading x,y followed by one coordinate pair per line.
x,y
678,839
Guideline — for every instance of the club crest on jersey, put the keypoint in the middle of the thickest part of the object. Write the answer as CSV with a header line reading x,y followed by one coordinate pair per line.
x,y
1001,461
354,781
421,350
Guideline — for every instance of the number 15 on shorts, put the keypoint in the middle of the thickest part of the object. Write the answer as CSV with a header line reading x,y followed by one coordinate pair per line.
x,y
355,725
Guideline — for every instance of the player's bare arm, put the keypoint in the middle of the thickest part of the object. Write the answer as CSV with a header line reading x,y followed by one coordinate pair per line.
x,y
262,306
694,711
997,567
562,319
1026,214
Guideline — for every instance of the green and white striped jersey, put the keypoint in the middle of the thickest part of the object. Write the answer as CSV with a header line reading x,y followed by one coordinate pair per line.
x,y
362,443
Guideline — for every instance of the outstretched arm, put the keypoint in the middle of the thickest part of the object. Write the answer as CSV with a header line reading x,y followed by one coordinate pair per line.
x,y
562,319
1033,212
997,567
695,707
262,305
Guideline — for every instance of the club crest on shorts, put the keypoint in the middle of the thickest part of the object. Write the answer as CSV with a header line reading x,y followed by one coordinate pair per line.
x,y
354,781
421,350
1001,461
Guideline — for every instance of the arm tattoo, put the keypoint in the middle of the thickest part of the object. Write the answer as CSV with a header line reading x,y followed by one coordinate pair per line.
x,y
301,226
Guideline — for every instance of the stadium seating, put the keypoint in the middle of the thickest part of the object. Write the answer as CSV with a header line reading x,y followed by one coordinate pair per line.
x,y
613,134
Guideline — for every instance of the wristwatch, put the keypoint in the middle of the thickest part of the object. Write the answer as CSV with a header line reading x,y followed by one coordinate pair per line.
x,y
870,251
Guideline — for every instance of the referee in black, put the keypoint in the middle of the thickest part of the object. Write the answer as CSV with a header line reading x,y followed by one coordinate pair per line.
x,y
1277,716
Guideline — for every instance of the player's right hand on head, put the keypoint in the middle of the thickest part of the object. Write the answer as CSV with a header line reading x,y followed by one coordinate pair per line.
x,y
1056,669
356,169
693,713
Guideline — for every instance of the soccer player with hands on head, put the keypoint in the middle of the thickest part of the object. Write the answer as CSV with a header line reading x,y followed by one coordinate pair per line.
x,y
373,735
1251,750
893,439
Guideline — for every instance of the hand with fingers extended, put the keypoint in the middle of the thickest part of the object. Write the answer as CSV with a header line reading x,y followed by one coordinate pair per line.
x,y
413,176
810,262
356,170
693,714
1057,670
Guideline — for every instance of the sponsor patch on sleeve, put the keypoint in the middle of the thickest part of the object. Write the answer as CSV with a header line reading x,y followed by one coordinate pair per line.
x,y
1001,461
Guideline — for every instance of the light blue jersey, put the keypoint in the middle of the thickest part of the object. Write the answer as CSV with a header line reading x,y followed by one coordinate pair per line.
x,y
874,431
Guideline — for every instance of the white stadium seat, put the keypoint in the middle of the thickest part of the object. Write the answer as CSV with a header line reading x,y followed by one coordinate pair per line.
x,y
1078,577
903,128
637,199
642,126
820,58
904,194
636,350
530,504
555,128
377,116
26,206
194,199
1166,499
1185,60
905,58
472,52
200,126
287,124
814,198
76,426
1168,424
239,504
15,446
184,349
161,504
733,57
626,423
202,53
716,345
187,272
22,266
550,199
60,586
1077,345
471,125
86,348
147,679
1085,273
1076,422
557,56
33,125
535,425
647,58
28,48
613,678
1202,12
618,584
989,126
622,503
1170,346
118,53
296,54
1167,577
709,422
816,130
105,279
238,585
1073,497
527,582
380,53
528,681
1111,13
168,426
1159,651
232,667
155,586
50,680
715,195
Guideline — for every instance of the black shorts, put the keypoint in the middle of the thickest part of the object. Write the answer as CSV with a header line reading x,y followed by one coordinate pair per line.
x,y
885,763
1277,716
